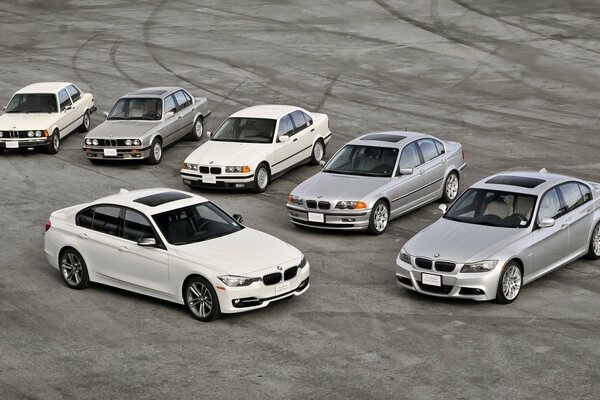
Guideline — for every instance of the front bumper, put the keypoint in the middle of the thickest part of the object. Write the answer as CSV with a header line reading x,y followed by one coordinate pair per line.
x,y
341,220
258,295
480,286
123,153
25,143
237,181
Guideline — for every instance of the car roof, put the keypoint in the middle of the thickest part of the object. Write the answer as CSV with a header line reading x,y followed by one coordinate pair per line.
x,y
158,92
270,111
44,87
146,197
397,139
526,182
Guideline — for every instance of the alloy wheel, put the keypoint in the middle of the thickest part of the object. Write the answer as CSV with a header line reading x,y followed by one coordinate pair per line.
x,y
451,187
511,282
381,217
199,299
262,178
157,150
596,241
318,151
71,268
55,142
199,128
86,121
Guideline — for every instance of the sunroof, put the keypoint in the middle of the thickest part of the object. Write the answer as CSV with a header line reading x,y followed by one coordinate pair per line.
x,y
384,137
521,181
151,92
161,198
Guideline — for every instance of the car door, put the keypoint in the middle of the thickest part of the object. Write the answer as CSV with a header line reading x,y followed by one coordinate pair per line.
x,y
142,266
184,109
67,116
433,168
78,106
550,244
579,212
284,150
407,191
304,135
171,124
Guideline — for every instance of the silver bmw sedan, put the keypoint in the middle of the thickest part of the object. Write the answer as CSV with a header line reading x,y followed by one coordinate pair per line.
x,y
375,178
502,233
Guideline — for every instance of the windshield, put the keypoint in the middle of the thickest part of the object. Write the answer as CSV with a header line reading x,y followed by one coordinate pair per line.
x,y
494,208
363,160
247,130
195,223
32,103
136,108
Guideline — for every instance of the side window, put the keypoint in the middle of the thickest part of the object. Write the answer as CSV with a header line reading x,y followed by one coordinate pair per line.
x,y
285,126
75,94
439,146
299,120
586,192
106,220
428,149
136,226
550,206
181,100
170,104
308,119
571,195
63,99
84,218
410,157
188,98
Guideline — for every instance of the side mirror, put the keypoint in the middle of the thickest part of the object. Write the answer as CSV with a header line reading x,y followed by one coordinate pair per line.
x,y
69,108
284,138
105,113
406,171
147,242
209,134
169,114
546,222
238,218
443,207
322,163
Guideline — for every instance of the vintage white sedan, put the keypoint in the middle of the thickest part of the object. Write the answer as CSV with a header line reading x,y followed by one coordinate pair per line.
x,y
41,114
175,246
256,145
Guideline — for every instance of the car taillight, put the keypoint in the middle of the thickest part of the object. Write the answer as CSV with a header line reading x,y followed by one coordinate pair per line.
x,y
48,225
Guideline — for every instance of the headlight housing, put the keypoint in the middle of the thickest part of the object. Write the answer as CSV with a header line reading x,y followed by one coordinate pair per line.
x,y
235,281
38,133
136,142
293,199
128,142
302,262
191,166
480,266
351,205
30,133
405,257
237,169
95,142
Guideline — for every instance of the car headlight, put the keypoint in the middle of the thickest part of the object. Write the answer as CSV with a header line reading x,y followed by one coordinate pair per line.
x,y
136,142
233,280
237,169
302,262
480,266
30,133
1,133
128,142
38,133
191,166
292,198
351,205
95,142
404,256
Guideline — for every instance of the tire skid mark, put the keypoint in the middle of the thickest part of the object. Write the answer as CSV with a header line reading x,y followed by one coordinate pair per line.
x,y
115,64
75,58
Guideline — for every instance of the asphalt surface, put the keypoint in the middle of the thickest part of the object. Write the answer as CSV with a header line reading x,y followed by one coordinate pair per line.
x,y
516,82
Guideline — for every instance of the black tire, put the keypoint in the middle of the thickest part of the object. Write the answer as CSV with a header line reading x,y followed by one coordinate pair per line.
x,y
199,292
318,152
510,269
197,130
86,123
260,184
54,146
451,187
379,218
155,155
73,269
594,253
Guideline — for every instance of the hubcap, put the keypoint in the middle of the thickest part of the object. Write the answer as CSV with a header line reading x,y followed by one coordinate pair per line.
x,y
199,299
56,141
199,128
452,187
318,151
381,217
157,151
86,120
72,269
262,177
596,240
511,282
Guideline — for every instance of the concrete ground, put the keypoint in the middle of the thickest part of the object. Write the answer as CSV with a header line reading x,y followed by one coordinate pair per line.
x,y
516,82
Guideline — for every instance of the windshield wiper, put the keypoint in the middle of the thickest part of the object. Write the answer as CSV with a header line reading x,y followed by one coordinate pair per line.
x,y
116,118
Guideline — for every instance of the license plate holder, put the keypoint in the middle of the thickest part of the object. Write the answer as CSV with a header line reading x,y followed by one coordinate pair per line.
x,y
281,288
209,179
12,145
110,152
316,217
431,280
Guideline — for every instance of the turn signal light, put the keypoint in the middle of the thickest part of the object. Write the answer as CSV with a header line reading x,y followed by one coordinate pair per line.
x,y
245,168
46,133
360,204
48,225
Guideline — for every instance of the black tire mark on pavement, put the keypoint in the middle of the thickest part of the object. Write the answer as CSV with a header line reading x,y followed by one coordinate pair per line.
x,y
75,58
113,61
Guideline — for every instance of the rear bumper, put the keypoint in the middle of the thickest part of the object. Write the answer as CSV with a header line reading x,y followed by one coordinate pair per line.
x,y
122,153
347,221
195,180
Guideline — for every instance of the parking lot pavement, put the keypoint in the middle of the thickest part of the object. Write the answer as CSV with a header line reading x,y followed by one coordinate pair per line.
x,y
515,82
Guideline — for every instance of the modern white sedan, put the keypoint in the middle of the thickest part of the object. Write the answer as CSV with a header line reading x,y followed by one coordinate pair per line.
x,y
256,145
174,246
42,114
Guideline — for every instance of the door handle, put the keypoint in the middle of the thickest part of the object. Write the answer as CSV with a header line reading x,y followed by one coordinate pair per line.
x,y
179,117
124,248
295,140
83,235
312,130
589,210
563,226
193,110
421,172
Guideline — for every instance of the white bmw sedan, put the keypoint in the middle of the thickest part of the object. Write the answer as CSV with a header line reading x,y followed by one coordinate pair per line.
x,y
175,246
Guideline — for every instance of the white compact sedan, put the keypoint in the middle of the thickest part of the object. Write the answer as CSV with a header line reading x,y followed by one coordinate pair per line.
x,y
41,114
256,145
175,246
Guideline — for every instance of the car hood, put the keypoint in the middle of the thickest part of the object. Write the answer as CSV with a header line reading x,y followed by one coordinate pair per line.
x,y
122,129
339,187
241,253
227,153
461,242
31,121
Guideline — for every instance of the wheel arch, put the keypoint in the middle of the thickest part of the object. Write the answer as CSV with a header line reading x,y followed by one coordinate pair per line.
x,y
187,279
